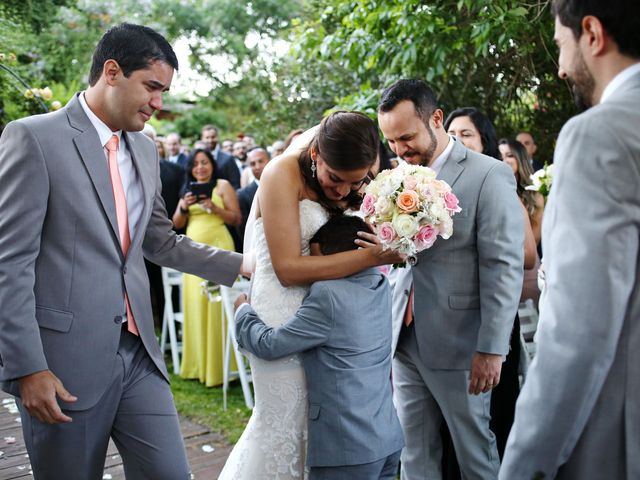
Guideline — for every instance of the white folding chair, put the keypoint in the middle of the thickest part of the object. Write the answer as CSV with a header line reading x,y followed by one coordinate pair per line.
x,y
171,278
229,294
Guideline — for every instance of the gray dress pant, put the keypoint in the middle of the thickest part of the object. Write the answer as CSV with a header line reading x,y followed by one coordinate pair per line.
x,y
383,469
136,410
424,397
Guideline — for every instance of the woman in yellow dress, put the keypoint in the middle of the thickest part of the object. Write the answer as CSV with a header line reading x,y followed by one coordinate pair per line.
x,y
207,203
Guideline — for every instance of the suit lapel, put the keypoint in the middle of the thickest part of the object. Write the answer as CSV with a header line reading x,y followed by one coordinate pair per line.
x,y
95,161
145,178
452,168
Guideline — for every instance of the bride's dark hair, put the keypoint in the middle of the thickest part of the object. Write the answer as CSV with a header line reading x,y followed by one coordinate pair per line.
x,y
346,141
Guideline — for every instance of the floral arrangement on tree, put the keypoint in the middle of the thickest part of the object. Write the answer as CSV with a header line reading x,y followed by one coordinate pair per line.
x,y
541,180
409,208
40,95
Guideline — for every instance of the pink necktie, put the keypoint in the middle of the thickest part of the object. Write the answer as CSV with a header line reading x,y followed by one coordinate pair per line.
x,y
121,214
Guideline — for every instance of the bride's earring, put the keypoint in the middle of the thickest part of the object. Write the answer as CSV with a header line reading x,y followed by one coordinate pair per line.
x,y
313,168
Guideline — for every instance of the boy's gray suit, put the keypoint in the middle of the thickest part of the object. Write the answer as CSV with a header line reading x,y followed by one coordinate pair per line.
x,y
62,271
344,329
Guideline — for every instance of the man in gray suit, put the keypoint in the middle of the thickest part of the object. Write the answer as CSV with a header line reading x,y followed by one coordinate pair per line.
x,y
466,289
578,416
343,329
80,209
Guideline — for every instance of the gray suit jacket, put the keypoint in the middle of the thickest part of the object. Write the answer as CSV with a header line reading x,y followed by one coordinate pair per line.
x,y
579,411
62,271
344,329
467,288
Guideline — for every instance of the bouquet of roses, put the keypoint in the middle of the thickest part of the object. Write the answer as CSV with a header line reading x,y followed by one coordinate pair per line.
x,y
409,208
542,180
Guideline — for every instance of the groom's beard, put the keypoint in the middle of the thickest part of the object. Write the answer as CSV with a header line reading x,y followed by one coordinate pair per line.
x,y
427,157
582,84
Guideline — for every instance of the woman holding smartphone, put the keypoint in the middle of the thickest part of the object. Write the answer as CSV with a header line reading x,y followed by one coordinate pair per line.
x,y
207,203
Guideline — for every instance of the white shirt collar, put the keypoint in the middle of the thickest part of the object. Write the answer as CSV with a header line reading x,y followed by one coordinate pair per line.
x,y
437,164
618,80
104,132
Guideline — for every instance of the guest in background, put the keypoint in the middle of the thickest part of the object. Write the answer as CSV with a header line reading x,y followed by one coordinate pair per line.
x,y
292,135
173,143
474,129
204,216
249,142
227,145
526,139
515,155
277,148
171,178
257,159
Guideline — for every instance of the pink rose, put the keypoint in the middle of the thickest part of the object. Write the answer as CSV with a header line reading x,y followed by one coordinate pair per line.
x,y
368,205
451,202
386,233
410,182
426,237
408,201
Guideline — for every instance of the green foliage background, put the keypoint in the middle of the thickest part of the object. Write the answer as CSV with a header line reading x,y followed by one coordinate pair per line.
x,y
497,55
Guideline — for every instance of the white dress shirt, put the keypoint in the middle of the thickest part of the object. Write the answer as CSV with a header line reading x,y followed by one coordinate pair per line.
x,y
619,79
128,173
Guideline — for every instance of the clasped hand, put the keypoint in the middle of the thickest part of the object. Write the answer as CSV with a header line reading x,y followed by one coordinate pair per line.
x,y
385,256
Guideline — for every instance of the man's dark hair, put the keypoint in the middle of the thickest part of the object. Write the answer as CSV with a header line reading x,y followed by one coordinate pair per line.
x,y
417,91
134,47
619,18
339,234
485,128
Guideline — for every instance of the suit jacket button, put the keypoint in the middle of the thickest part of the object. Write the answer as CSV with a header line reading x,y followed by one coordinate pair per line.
x,y
124,270
117,319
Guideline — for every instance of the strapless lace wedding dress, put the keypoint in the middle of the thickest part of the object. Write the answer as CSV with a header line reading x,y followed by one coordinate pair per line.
x,y
274,443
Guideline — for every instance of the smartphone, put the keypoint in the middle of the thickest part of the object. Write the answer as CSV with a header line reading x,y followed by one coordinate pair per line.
x,y
201,190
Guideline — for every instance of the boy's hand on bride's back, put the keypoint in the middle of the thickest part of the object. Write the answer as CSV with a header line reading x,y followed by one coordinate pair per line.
x,y
242,298
383,256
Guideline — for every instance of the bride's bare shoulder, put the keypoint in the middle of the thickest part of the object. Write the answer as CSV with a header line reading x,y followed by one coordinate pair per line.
x,y
282,169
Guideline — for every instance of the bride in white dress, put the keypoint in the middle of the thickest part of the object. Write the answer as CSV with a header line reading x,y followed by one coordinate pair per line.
x,y
298,192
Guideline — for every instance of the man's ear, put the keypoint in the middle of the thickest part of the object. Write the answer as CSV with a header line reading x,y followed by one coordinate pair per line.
x,y
595,35
438,118
111,71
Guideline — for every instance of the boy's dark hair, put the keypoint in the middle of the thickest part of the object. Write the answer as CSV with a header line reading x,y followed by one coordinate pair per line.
x,y
619,18
339,233
134,47
416,91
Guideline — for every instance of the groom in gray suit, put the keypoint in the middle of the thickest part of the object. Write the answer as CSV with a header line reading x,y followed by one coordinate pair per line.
x,y
80,209
578,416
456,332
343,329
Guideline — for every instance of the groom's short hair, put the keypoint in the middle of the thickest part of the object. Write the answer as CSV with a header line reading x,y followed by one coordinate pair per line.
x,y
134,47
339,234
416,91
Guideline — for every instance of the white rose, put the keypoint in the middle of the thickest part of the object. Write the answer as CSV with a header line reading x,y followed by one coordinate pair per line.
x,y
383,206
405,225
446,228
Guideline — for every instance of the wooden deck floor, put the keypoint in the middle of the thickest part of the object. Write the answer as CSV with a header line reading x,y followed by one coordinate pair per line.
x,y
207,451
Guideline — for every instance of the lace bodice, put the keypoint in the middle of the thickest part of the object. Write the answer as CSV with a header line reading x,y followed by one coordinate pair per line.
x,y
273,446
